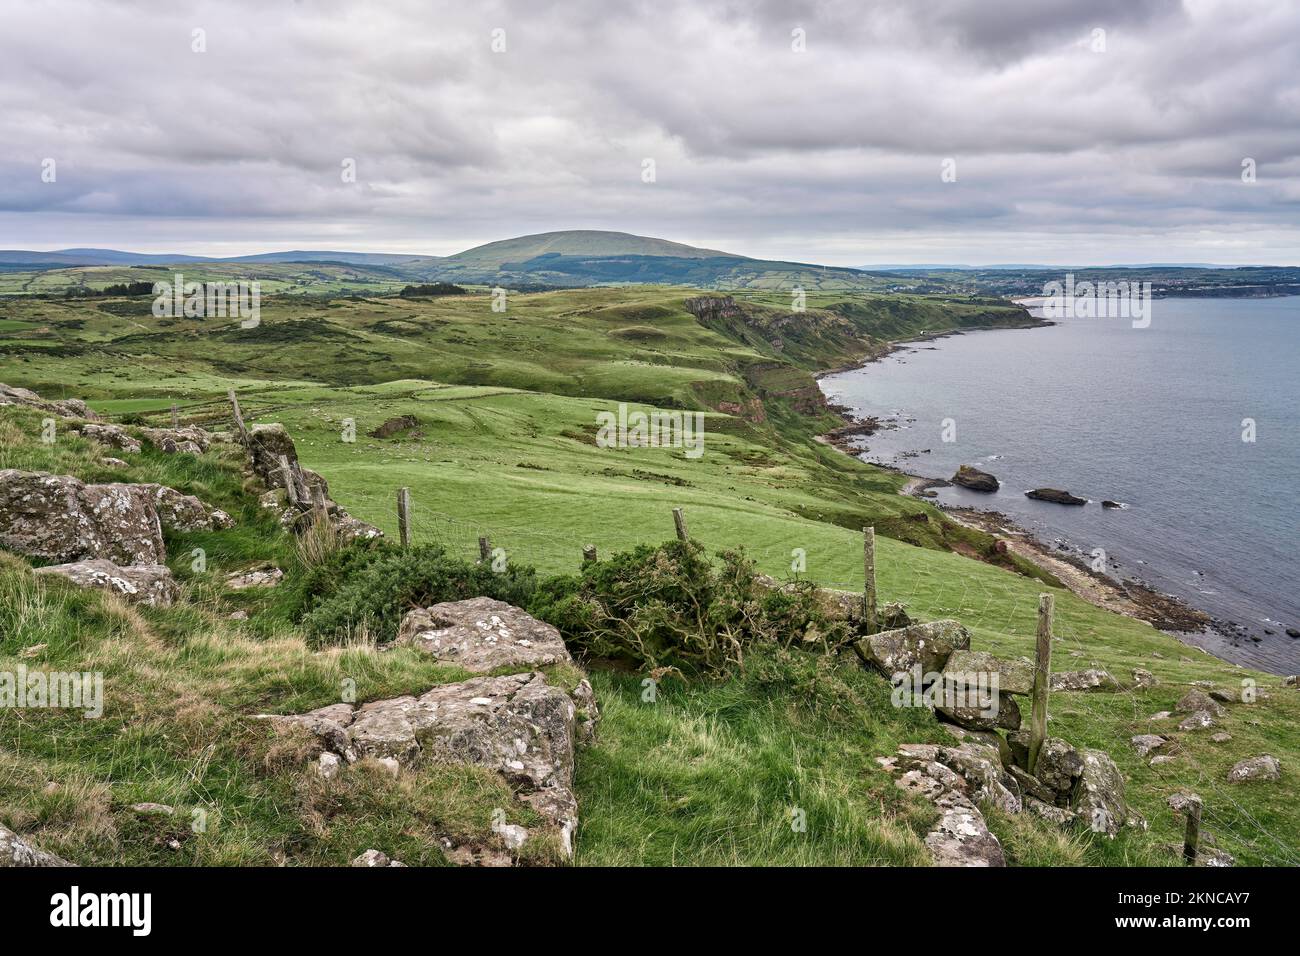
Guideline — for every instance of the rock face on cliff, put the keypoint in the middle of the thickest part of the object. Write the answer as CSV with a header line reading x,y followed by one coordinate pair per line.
x,y
64,408
482,634
975,480
59,518
519,726
148,584
1055,496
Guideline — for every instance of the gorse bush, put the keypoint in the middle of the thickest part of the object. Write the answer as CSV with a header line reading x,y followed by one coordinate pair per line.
x,y
370,588
670,609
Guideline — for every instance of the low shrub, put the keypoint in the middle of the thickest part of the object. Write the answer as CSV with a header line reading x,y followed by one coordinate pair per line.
x,y
670,609
370,588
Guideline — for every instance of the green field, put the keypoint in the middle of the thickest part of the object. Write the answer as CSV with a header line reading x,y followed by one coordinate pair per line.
x,y
506,406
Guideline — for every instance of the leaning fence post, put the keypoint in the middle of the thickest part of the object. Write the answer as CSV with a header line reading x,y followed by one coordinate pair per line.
x,y
680,521
1042,679
404,516
318,502
484,549
589,554
290,483
869,568
239,425
1193,835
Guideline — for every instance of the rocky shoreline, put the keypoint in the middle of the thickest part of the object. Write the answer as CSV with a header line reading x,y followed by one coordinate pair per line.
x,y
1130,597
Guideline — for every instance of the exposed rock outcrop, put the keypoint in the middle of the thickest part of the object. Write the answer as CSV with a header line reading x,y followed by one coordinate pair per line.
x,y
15,852
1264,767
114,436
180,512
64,408
59,518
148,584
1092,679
1056,496
975,480
520,726
926,645
482,634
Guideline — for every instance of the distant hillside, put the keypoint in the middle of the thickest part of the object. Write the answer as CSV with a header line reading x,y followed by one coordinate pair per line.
x,y
579,242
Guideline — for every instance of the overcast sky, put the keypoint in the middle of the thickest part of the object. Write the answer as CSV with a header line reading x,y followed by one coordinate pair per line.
x,y
1070,145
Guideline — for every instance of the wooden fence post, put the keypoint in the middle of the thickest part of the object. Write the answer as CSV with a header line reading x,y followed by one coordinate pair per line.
x,y
869,568
404,516
1193,835
589,554
1042,679
318,503
680,521
176,416
290,482
240,426
484,550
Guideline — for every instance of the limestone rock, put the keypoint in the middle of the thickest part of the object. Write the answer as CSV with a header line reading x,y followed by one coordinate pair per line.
x,y
375,858
482,634
59,518
1092,679
1098,799
148,584
1143,678
15,852
1198,720
185,513
1059,765
1015,675
189,439
927,645
256,578
984,712
1145,743
64,408
1264,767
114,436
961,837
1196,699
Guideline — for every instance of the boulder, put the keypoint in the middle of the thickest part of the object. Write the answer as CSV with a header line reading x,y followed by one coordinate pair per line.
x,y
961,837
970,768
351,529
1056,496
59,518
893,615
1091,679
16,851
1142,679
1059,765
984,713
520,726
1198,720
1145,743
64,408
1225,695
1256,768
927,645
256,578
189,439
1196,699
974,479
1014,675
1098,799
482,634
1220,738
148,584
114,436
185,513
375,858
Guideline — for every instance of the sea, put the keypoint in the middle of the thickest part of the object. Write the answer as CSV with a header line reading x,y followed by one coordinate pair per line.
x,y
1190,421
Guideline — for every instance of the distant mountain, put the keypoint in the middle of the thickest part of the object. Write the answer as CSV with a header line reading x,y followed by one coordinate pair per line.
x,y
579,242
115,257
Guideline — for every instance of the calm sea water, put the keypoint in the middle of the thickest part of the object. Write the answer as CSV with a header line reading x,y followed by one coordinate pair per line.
x,y
1150,417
